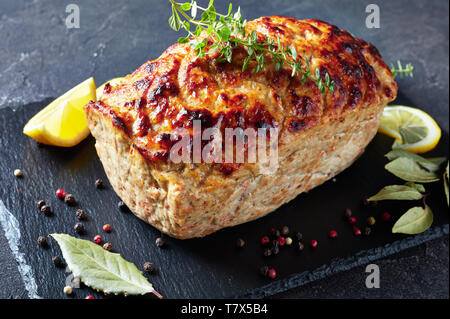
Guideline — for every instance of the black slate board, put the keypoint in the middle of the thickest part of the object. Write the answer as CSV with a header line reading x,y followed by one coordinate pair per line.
x,y
210,267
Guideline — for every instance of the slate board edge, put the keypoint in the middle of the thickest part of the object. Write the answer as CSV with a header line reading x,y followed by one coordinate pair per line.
x,y
342,264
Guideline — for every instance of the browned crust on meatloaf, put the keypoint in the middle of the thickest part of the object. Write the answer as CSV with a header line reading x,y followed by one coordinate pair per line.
x,y
320,135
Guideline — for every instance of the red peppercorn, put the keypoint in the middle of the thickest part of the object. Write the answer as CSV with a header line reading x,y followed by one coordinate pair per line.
x,y
272,273
356,231
314,243
89,297
352,220
265,240
333,234
60,193
281,241
98,239
386,216
107,228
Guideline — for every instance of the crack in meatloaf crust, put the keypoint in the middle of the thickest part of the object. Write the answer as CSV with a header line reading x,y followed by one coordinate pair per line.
x,y
319,134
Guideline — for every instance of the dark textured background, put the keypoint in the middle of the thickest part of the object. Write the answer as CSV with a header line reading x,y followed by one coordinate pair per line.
x,y
41,58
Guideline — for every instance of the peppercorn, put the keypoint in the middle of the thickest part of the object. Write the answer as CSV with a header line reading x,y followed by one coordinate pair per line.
x,y
89,297
60,193
97,239
159,242
371,220
240,243
288,241
148,267
356,231
272,273
285,231
314,243
300,246
275,233
56,260
281,241
46,210
275,250
348,213
18,173
367,231
352,220
40,203
299,236
79,228
122,206
366,201
107,228
275,243
80,214
42,241
107,246
67,290
99,183
265,240
386,216
69,199
263,270
267,252
332,234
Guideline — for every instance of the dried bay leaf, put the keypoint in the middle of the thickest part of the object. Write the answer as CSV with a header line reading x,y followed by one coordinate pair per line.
x,y
431,164
418,187
415,221
397,192
409,170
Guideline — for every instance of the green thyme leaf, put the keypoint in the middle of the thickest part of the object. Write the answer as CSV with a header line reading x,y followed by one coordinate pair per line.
x,y
445,177
409,170
415,221
407,70
431,164
397,192
101,269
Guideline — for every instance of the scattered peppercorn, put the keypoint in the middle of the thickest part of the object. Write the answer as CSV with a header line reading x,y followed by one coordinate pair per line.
x,y
97,239
275,233
265,240
263,270
67,290
367,231
314,243
107,246
240,243
332,234
386,216
285,231
79,228
99,183
42,241
46,210
356,231
56,260
371,220
300,246
288,241
60,193
69,199
352,220
299,236
267,252
40,203
107,228
18,173
281,241
89,297
366,201
122,206
80,214
348,213
148,267
272,273
275,250
159,242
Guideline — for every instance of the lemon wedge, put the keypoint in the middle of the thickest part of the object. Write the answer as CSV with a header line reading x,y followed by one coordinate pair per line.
x,y
62,122
413,129
112,82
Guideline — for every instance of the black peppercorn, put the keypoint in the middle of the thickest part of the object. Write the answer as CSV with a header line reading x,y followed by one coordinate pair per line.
x,y
40,203
122,206
69,199
275,233
285,231
275,250
99,183
299,236
42,241
159,242
348,213
275,243
79,228
107,246
148,267
267,252
367,231
56,260
80,214
300,246
240,243
46,210
263,270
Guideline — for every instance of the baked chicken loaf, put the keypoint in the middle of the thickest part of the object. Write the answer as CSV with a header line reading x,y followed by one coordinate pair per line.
x,y
319,134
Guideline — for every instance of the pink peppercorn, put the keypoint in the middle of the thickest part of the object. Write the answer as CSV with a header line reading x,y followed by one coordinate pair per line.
x,y
89,297
352,220
272,273
314,243
60,193
356,231
265,240
97,239
332,234
107,228
386,216
281,241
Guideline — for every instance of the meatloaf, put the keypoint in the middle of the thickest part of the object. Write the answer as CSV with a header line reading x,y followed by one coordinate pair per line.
x,y
135,121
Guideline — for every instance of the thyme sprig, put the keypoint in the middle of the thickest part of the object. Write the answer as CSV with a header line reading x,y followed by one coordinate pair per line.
x,y
229,32
407,70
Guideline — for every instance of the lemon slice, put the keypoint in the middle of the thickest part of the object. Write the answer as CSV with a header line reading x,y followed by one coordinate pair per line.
x,y
112,82
413,129
62,122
